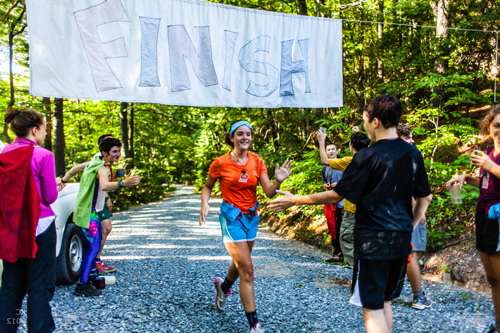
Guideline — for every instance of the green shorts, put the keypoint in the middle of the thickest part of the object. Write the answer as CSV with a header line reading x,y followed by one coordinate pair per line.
x,y
103,214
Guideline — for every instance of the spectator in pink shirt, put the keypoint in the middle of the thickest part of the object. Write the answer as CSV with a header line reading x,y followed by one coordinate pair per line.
x,y
35,276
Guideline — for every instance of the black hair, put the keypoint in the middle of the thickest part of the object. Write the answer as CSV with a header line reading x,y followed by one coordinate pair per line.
x,y
102,137
107,144
359,141
227,138
385,108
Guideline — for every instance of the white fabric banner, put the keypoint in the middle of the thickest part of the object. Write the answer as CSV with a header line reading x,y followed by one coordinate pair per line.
x,y
183,52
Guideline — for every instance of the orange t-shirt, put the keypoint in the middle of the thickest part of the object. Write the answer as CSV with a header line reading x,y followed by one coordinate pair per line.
x,y
238,182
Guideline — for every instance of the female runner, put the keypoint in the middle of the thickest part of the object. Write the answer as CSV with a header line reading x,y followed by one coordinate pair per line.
x,y
239,172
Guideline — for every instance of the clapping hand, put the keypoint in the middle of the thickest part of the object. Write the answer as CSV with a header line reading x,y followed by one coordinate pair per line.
x,y
283,172
355,128
280,204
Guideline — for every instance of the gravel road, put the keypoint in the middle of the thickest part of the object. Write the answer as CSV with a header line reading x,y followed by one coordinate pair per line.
x,y
167,265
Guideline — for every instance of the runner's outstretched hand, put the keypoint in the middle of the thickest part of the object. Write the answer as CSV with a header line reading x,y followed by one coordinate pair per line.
x,y
355,128
203,214
280,204
283,172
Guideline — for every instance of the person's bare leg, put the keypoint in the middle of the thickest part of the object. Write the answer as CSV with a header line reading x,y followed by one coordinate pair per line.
x,y
242,261
106,230
413,273
376,321
491,265
388,315
232,272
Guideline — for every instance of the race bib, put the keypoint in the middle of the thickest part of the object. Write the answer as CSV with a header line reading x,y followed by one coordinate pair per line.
x,y
243,177
486,179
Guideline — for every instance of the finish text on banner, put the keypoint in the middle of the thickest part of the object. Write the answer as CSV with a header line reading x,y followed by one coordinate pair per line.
x,y
182,52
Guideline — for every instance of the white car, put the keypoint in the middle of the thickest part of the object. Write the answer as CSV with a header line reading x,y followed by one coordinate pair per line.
x,y
71,245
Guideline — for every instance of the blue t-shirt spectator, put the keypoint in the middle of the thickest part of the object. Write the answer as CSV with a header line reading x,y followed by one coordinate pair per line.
x,y
329,175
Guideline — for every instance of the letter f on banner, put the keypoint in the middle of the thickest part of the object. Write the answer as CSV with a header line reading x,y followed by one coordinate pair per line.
x,y
97,52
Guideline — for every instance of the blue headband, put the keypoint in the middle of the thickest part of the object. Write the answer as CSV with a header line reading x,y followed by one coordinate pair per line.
x,y
238,124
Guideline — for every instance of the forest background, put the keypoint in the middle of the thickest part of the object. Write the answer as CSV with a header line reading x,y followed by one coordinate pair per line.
x,y
444,77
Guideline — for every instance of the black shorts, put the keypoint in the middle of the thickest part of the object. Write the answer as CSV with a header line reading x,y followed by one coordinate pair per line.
x,y
380,281
487,234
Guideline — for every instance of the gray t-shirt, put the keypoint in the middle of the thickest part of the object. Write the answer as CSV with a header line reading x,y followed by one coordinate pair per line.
x,y
329,175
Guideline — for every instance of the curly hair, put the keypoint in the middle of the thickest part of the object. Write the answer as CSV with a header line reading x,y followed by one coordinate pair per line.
x,y
404,130
488,119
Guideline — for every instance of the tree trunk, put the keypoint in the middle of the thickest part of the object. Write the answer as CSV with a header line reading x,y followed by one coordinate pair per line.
x,y
124,128
131,131
48,120
12,100
59,141
440,12
380,31
12,34
302,7
274,135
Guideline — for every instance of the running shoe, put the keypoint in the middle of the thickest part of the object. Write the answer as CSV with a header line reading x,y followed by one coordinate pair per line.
x,y
334,261
110,269
421,303
347,265
257,328
85,289
221,298
101,269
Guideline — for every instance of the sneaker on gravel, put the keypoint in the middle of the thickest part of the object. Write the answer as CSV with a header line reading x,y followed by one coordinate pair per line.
x,y
101,269
110,269
334,261
257,328
347,265
85,289
421,303
221,298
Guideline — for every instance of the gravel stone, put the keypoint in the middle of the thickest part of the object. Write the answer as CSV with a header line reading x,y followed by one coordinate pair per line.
x,y
167,265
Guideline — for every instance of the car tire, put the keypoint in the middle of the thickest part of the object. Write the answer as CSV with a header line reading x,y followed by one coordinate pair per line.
x,y
69,261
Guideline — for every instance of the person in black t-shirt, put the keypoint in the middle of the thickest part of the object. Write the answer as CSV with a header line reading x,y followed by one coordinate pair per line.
x,y
381,180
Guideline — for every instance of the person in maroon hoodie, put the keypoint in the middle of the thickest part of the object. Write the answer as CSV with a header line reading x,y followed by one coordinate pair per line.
x,y
35,276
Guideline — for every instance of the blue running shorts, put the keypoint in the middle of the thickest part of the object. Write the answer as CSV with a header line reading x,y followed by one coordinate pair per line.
x,y
243,229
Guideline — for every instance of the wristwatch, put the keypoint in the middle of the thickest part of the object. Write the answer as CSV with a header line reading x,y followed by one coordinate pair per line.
x,y
120,184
